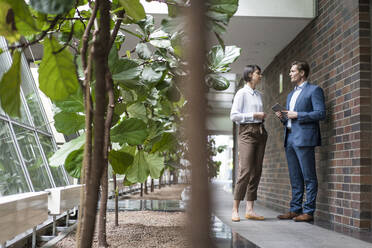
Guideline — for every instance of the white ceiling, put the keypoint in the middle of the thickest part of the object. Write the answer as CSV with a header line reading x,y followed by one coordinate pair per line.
x,y
261,38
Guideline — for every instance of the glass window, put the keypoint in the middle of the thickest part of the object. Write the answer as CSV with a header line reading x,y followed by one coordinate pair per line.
x,y
32,100
46,143
32,157
12,178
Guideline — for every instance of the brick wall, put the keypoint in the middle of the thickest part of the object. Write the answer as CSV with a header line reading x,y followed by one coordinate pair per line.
x,y
337,46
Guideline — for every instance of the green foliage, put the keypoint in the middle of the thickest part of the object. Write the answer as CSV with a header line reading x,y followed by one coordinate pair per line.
x,y
148,103
131,130
217,81
23,20
61,154
120,161
52,6
73,103
8,27
212,150
143,51
133,9
74,163
219,59
137,110
10,87
167,142
219,14
57,72
145,164
68,123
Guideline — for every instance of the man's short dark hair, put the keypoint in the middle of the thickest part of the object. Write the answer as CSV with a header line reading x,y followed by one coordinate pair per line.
x,y
302,66
248,70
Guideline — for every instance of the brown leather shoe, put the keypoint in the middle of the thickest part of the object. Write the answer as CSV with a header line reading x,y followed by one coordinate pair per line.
x,y
288,216
304,217
254,217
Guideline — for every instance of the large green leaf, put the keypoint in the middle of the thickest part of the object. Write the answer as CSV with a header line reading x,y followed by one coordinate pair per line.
x,y
120,161
133,9
74,103
25,23
74,163
147,25
68,123
155,164
173,94
10,87
61,154
219,13
8,27
57,73
151,76
138,171
160,39
52,6
125,69
228,7
132,130
218,82
219,59
167,141
143,51
137,110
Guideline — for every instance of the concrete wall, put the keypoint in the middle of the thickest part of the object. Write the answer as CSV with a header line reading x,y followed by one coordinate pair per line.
x,y
337,46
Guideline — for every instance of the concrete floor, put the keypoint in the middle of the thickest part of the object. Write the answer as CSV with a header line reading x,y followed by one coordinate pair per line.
x,y
274,233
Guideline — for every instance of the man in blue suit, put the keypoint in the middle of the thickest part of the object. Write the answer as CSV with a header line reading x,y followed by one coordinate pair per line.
x,y
306,107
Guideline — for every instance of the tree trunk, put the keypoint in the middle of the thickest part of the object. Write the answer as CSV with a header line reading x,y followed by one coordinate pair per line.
x,y
175,176
87,159
159,186
102,209
196,134
100,59
141,191
146,187
116,200
152,185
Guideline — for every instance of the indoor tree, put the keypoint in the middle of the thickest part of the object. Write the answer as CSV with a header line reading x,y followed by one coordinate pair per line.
x,y
126,100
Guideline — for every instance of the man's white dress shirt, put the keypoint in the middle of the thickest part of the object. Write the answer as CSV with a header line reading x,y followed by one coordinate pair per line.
x,y
292,103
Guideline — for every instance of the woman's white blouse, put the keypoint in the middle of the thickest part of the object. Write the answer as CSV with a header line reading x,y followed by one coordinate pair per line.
x,y
246,102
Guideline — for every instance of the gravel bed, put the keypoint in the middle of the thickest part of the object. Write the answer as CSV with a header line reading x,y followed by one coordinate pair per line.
x,y
147,229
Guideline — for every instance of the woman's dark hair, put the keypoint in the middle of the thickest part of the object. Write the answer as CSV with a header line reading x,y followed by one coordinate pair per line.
x,y
248,71
302,66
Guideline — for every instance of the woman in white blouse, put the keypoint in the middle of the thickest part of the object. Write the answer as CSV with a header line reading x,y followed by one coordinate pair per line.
x,y
247,112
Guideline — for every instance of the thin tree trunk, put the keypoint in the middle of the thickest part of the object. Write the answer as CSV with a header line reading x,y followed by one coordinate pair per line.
x,y
100,59
141,191
102,242
159,186
152,185
146,187
196,133
87,159
116,200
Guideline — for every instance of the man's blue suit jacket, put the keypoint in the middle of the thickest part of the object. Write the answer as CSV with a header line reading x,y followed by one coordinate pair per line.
x,y
310,107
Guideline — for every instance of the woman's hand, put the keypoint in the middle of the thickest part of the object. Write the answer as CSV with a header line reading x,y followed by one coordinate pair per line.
x,y
259,115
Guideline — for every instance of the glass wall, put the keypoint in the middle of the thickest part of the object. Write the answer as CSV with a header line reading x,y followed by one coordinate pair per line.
x,y
26,142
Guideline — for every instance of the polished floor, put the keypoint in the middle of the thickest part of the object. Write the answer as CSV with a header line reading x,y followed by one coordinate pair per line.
x,y
274,233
